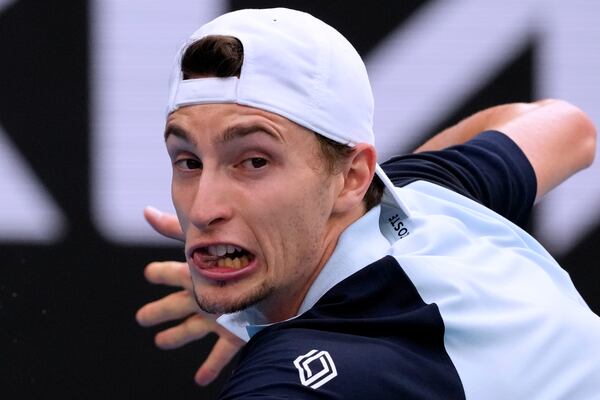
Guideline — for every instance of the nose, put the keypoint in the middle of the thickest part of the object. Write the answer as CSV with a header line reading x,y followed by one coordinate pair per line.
x,y
212,204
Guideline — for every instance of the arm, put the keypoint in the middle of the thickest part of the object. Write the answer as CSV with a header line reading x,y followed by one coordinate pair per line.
x,y
557,137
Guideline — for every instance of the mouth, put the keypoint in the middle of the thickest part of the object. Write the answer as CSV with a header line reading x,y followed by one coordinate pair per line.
x,y
222,258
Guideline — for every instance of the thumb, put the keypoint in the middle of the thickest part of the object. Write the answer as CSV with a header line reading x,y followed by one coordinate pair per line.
x,y
163,223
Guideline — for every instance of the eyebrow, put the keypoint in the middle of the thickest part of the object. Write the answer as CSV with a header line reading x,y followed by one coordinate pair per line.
x,y
230,134
180,133
240,131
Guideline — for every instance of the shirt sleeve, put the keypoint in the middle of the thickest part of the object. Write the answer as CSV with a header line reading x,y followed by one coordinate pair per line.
x,y
490,169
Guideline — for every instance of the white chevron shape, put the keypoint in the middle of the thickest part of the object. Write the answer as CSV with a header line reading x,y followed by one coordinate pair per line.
x,y
27,213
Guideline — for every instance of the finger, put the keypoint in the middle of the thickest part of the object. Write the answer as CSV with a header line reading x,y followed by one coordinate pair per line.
x,y
193,328
172,273
165,224
224,350
174,306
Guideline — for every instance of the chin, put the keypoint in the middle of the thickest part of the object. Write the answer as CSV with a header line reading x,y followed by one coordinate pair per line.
x,y
225,299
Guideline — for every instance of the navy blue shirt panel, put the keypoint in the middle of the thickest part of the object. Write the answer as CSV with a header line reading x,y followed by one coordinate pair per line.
x,y
490,169
385,342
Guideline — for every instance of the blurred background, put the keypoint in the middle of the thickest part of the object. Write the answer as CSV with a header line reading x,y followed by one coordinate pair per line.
x,y
82,105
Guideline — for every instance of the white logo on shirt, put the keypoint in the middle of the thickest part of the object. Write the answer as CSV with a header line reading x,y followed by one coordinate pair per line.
x,y
325,373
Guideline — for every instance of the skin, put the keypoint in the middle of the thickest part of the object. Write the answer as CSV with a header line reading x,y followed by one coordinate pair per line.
x,y
256,180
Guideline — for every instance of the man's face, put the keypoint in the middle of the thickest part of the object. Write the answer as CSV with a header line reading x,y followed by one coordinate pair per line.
x,y
254,201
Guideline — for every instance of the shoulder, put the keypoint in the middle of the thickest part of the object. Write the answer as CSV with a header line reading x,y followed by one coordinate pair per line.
x,y
353,344
455,167
311,363
490,169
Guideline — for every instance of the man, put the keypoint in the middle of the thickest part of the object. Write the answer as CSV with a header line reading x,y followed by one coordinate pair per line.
x,y
347,281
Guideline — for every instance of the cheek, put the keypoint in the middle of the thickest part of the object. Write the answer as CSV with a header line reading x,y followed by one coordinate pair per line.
x,y
182,197
302,238
306,221
284,221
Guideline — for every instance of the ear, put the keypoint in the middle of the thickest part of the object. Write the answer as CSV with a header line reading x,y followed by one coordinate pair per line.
x,y
357,176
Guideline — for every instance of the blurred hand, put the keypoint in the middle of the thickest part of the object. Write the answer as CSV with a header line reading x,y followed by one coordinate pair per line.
x,y
181,305
163,223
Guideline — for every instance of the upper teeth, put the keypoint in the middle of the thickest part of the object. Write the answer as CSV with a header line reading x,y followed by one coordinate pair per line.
x,y
222,249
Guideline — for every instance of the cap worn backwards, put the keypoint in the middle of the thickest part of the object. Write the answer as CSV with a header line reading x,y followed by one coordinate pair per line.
x,y
296,66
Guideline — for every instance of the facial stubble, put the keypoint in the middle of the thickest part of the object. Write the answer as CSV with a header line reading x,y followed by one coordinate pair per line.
x,y
260,293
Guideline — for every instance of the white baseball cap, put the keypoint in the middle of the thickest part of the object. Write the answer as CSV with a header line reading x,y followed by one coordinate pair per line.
x,y
296,66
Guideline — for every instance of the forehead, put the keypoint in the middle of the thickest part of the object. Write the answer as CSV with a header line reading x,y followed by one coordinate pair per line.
x,y
221,123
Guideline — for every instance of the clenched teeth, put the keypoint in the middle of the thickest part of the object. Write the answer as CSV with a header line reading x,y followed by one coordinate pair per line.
x,y
224,256
222,249
235,263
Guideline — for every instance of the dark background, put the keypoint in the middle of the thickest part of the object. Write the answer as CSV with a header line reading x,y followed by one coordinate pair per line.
x,y
67,324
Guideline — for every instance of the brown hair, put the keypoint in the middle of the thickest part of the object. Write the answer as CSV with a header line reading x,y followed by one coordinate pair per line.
x,y
216,55
222,56
335,153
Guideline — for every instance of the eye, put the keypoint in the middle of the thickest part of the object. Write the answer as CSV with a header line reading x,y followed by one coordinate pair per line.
x,y
188,164
255,163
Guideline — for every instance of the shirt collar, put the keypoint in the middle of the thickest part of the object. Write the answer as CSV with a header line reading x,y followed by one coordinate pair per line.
x,y
358,246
